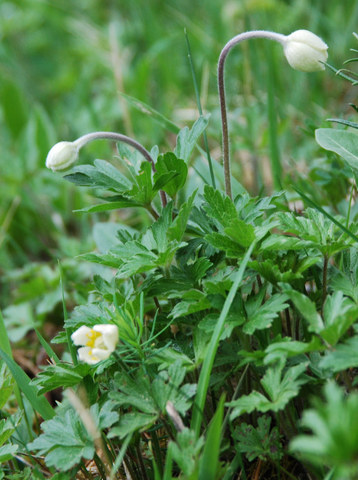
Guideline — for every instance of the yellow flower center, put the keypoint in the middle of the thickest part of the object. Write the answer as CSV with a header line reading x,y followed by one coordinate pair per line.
x,y
92,337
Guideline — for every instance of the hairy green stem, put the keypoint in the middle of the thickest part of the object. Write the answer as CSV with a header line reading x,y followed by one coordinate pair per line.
x,y
118,137
221,86
198,102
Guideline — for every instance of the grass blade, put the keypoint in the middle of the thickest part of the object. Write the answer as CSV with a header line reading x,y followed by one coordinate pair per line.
x,y
38,403
46,346
157,116
4,339
71,347
209,461
120,457
204,378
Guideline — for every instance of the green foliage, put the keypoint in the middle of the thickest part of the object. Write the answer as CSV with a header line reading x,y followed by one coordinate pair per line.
x,y
7,428
252,299
330,444
260,315
209,461
169,164
280,390
65,440
185,452
342,142
260,442
60,375
39,403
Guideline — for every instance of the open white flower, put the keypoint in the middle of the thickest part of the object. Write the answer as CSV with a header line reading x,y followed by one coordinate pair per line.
x,y
305,51
98,342
62,155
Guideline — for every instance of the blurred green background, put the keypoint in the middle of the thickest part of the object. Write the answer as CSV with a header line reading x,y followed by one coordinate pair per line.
x,y
62,67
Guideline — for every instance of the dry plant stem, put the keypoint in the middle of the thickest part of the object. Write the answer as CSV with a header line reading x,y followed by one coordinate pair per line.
x,y
118,137
221,86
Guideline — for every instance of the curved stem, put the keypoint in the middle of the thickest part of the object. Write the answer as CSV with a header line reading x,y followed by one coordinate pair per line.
x,y
118,137
221,86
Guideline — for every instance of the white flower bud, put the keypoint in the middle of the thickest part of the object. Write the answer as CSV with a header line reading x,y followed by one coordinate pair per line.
x,y
305,51
98,342
62,155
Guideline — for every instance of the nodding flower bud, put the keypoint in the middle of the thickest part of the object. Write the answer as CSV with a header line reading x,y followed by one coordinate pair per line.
x,y
305,51
62,155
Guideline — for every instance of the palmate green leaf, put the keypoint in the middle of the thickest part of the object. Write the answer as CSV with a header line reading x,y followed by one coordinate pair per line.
x,y
193,301
129,259
222,242
166,387
260,315
241,232
278,243
286,348
352,235
169,164
132,422
61,375
142,192
8,427
187,139
65,440
185,451
260,442
279,391
345,355
162,181
346,285
165,357
316,228
150,397
220,207
334,440
306,307
277,271
192,273
339,314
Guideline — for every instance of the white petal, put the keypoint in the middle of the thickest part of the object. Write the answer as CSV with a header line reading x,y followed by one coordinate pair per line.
x,y
81,336
100,354
109,335
85,354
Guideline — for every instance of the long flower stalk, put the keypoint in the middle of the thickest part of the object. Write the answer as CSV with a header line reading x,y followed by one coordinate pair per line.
x,y
303,50
64,154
